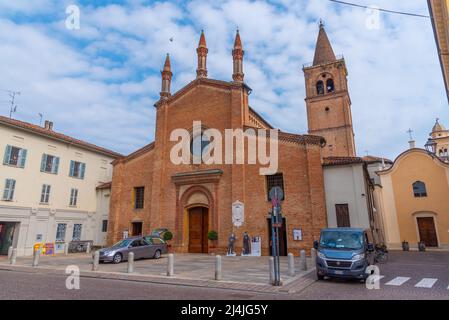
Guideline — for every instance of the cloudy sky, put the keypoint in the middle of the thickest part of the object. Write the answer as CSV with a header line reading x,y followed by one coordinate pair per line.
x,y
99,83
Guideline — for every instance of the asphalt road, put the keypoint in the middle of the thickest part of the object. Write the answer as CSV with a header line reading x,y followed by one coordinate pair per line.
x,y
21,285
406,276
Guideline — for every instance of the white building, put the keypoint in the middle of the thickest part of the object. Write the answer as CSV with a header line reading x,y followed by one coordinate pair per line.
x,y
350,195
48,187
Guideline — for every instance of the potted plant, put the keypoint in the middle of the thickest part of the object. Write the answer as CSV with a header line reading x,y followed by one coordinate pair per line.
x,y
167,237
213,237
405,246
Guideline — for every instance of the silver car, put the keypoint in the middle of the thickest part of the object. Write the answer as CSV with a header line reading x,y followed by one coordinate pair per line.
x,y
142,248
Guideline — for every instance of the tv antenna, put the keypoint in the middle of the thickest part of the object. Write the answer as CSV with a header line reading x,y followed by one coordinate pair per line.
x,y
41,116
12,102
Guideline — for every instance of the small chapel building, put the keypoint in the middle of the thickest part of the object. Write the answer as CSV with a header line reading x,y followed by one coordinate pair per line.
x,y
150,191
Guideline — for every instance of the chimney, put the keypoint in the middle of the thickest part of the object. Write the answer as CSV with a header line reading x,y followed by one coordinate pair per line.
x,y
412,144
48,125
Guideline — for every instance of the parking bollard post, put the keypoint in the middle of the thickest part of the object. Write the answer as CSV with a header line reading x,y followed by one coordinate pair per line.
x,y
13,256
217,267
96,261
10,253
313,255
271,268
303,260
291,265
36,255
131,262
170,265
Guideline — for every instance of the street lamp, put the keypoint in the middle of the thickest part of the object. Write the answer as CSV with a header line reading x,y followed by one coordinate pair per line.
x,y
431,145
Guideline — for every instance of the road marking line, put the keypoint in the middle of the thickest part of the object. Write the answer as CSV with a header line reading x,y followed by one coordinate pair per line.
x,y
398,281
426,283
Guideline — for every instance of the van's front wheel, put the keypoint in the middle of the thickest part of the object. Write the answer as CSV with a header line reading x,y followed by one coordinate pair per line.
x,y
319,276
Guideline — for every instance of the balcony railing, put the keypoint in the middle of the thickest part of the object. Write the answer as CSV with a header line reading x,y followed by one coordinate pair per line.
x,y
310,64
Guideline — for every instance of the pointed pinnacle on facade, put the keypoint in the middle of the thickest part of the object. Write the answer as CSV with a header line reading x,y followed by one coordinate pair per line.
x,y
167,65
238,41
202,43
323,50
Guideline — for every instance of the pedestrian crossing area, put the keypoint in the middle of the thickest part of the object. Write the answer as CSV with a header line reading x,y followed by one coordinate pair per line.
x,y
426,283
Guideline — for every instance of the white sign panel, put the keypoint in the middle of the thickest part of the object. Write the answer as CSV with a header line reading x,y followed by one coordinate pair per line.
x,y
297,234
238,213
256,248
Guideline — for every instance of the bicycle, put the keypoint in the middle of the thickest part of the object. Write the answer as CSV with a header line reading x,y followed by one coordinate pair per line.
x,y
381,254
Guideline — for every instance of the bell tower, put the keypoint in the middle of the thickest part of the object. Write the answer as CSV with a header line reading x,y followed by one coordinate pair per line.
x,y
327,100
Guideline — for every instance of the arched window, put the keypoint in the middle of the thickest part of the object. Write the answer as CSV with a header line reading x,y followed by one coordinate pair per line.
x,y
330,85
419,189
320,87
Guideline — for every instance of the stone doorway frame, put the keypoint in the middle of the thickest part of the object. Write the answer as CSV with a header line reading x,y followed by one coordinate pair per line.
x,y
204,182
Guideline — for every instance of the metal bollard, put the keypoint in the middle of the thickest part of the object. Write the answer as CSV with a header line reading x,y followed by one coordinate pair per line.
x,y
13,256
131,262
313,255
170,265
291,265
271,267
66,249
303,260
88,247
217,267
96,261
10,252
36,256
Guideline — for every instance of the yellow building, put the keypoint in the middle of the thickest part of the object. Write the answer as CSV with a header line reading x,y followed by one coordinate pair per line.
x,y
415,193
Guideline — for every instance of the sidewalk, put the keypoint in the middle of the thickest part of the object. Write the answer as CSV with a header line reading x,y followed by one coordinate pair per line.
x,y
239,273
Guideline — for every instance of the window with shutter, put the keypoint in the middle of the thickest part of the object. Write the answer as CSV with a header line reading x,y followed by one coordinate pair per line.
x,y
7,155
49,164
15,156
77,169
8,192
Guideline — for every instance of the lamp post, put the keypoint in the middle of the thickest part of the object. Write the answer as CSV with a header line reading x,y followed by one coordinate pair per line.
x,y
431,145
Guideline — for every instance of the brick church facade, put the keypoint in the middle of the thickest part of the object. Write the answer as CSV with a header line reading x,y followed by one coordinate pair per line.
x,y
149,191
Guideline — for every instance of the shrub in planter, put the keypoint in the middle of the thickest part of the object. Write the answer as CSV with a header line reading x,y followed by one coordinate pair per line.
x,y
212,235
168,236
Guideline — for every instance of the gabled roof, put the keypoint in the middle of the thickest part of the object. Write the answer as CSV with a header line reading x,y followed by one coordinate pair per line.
x,y
202,81
49,133
338,161
435,158
135,154
373,159
106,185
